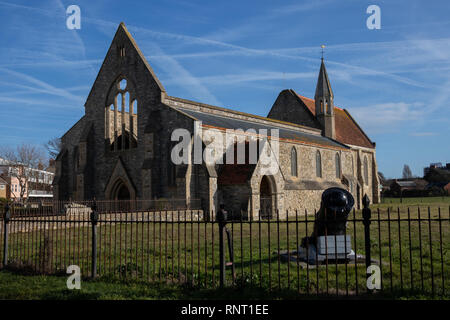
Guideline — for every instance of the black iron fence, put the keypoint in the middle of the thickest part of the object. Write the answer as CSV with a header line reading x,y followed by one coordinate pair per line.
x,y
407,249
51,208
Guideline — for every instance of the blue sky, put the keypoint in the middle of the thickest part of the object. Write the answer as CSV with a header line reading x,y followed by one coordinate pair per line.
x,y
240,54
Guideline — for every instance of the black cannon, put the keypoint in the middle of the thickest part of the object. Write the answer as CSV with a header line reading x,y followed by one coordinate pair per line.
x,y
331,219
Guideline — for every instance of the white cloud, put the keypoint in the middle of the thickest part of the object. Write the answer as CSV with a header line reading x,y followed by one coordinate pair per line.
x,y
183,77
423,134
42,86
252,76
385,117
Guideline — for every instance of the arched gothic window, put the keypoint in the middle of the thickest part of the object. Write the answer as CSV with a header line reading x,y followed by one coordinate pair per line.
x,y
353,166
294,171
121,116
318,164
366,171
338,165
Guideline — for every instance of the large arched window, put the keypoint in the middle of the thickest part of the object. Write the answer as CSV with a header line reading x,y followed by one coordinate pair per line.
x,y
121,115
366,171
318,164
353,166
294,172
337,160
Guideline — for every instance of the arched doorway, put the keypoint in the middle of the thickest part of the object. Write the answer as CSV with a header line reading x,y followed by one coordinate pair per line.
x,y
123,193
121,196
265,198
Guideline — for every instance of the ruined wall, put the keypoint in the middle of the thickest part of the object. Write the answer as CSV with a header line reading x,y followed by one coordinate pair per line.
x,y
154,121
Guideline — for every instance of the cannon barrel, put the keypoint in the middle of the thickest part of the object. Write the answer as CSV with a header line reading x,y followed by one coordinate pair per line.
x,y
335,207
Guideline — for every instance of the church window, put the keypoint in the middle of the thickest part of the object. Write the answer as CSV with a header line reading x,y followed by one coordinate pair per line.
x,y
318,164
366,171
119,101
294,172
121,51
121,117
353,166
338,165
122,84
127,102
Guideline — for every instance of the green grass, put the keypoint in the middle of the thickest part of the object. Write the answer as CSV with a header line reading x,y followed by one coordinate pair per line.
x,y
174,258
433,201
50,287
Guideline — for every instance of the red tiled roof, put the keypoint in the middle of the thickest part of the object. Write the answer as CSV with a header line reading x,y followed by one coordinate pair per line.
x,y
347,130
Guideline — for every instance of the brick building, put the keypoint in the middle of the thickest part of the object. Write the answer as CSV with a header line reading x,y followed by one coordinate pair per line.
x,y
3,188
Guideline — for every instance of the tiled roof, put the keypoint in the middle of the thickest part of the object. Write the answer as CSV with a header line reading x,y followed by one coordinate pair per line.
x,y
406,183
347,130
223,122
175,102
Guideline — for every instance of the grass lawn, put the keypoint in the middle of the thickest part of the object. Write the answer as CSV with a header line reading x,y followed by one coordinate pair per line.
x,y
166,261
50,287
444,202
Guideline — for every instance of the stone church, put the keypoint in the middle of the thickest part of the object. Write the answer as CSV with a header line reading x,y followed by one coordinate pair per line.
x,y
121,148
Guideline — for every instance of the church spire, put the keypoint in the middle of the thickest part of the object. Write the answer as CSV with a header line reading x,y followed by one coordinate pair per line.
x,y
323,87
324,102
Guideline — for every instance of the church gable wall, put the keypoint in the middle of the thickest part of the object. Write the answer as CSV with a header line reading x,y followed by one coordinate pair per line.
x,y
123,60
288,108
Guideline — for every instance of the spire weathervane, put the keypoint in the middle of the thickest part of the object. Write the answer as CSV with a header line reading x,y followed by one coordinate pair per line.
x,y
323,47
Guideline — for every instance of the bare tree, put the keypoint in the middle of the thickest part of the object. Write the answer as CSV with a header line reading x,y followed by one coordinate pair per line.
x,y
407,174
53,147
21,163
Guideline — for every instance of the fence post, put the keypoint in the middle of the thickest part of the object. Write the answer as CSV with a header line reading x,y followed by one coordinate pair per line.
x,y
367,213
231,252
94,221
6,218
222,217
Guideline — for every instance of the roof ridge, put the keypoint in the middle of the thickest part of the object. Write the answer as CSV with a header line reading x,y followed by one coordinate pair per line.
x,y
133,42
139,52
200,104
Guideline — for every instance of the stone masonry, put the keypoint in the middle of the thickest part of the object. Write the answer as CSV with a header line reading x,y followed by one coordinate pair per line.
x,y
121,148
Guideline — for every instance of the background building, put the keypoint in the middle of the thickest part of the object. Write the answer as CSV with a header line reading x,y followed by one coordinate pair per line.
x,y
22,186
